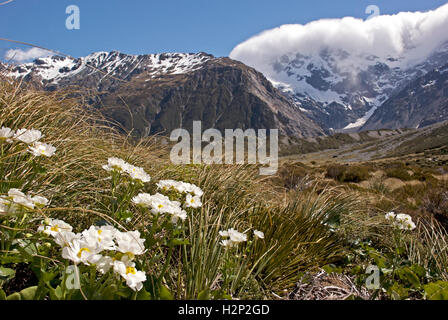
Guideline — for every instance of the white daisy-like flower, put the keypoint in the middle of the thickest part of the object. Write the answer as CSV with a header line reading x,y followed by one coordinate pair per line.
x,y
130,243
158,204
28,136
233,236
179,186
404,222
137,173
193,201
6,206
227,243
54,226
116,164
102,263
63,238
259,234
143,199
390,216
401,220
182,215
42,149
134,278
79,251
19,198
39,201
102,236
6,134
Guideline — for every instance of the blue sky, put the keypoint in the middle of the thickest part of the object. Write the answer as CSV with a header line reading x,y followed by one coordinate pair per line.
x,y
147,26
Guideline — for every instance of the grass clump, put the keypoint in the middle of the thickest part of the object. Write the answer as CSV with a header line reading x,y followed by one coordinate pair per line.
x,y
348,173
239,240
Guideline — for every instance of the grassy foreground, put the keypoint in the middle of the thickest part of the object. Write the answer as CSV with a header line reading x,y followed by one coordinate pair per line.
x,y
87,222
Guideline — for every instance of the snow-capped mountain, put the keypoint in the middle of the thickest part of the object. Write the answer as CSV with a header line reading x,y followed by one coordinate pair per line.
x,y
171,90
58,70
339,71
422,102
341,90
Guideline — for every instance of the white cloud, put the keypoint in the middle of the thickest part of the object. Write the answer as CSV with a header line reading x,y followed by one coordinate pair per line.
x,y
20,55
411,34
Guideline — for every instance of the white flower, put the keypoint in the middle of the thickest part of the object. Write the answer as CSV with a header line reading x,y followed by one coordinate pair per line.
x,y
7,206
259,234
115,164
137,173
227,243
6,134
234,236
18,197
390,216
39,201
179,186
179,215
193,201
166,185
53,226
103,263
63,238
42,149
102,236
143,199
158,204
134,278
130,243
404,222
28,136
401,221
79,250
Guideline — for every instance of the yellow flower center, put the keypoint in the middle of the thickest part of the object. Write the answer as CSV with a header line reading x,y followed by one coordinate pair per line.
x,y
55,228
82,250
100,232
130,270
160,206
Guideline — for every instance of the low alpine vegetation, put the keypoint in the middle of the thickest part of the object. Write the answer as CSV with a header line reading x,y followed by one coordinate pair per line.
x,y
88,213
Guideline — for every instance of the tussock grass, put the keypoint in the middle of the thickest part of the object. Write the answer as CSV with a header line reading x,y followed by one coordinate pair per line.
x,y
297,236
308,223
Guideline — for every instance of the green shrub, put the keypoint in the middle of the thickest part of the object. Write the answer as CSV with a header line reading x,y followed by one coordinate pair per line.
x,y
348,173
399,173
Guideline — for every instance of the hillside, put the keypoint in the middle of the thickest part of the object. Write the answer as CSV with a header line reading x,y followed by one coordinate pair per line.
x,y
152,94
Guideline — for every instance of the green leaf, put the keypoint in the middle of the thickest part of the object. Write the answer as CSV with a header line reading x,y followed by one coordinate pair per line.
x,y
14,296
109,292
2,295
204,295
406,274
7,273
437,290
164,293
28,293
56,294
397,291
419,270
13,259
143,295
